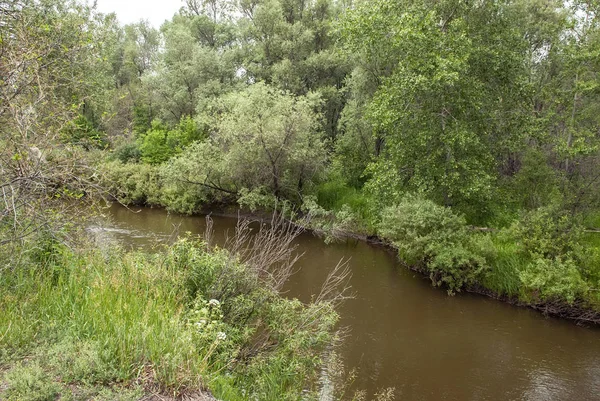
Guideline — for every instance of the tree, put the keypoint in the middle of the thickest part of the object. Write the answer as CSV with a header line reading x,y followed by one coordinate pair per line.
x,y
46,69
188,72
453,103
290,44
262,139
568,106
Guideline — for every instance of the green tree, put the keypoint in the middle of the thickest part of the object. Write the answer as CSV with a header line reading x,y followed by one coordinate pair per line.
x,y
47,74
568,106
187,72
453,104
291,44
262,139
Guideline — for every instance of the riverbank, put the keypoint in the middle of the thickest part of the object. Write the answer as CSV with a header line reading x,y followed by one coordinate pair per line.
x,y
82,323
577,310
403,333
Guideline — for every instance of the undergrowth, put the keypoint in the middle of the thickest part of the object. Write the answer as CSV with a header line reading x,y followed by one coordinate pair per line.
x,y
90,324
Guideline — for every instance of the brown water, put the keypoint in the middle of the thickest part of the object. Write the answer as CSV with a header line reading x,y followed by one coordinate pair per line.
x,y
408,335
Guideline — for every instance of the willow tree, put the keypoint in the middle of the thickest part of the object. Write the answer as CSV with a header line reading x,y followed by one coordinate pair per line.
x,y
262,139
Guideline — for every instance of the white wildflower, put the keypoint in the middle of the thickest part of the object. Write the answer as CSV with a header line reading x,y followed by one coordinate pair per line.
x,y
214,302
221,336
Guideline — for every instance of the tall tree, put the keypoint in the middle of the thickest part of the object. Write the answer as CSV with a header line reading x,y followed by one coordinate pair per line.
x,y
455,99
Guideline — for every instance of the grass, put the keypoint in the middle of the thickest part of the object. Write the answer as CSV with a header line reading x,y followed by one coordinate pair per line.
x,y
69,369
336,196
93,324
121,311
503,274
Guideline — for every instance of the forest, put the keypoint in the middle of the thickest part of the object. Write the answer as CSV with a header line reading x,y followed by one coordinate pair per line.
x,y
465,134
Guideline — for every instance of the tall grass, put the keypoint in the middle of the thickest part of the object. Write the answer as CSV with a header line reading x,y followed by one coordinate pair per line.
x,y
502,276
128,304
187,318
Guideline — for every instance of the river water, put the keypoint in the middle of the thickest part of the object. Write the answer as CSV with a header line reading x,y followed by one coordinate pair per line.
x,y
404,333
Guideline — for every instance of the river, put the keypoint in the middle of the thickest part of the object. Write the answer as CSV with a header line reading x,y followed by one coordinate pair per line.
x,y
404,333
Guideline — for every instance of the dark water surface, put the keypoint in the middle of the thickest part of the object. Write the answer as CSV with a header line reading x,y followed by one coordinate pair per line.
x,y
408,335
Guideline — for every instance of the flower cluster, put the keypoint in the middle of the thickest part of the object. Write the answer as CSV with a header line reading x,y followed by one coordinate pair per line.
x,y
207,319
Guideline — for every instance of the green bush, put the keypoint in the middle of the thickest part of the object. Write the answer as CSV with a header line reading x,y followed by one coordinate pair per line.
x,y
160,143
548,231
562,266
132,183
432,236
553,279
128,153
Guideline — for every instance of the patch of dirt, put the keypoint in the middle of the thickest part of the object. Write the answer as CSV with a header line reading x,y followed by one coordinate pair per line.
x,y
187,397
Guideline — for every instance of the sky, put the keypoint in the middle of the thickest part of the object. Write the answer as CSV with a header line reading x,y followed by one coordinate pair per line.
x,y
128,11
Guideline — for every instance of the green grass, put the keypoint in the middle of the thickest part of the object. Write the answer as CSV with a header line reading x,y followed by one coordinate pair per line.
x,y
503,274
92,324
131,311
336,195
71,369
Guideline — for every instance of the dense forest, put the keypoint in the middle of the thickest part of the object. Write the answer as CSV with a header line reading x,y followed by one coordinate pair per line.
x,y
463,133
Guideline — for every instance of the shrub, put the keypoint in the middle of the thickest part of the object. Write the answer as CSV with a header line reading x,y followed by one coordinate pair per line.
x,y
153,144
562,266
128,153
160,143
548,231
132,183
553,279
432,236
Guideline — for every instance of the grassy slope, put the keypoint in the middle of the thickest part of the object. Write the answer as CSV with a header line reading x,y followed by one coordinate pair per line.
x,y
116,326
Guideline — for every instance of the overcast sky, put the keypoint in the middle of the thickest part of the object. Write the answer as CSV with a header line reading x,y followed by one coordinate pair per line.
x,y
128,11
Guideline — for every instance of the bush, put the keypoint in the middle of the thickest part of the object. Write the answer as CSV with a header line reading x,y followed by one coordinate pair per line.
x,y
551,279
548,231
128,153
132,183
432,236
562,266
160,143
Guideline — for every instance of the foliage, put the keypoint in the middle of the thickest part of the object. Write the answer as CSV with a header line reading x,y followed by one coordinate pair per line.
x,y
426,232
128,153
159,144
438,110
48,73
263,139
131,183
271,137
548,232
81,131
107,317
554,279
339,109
